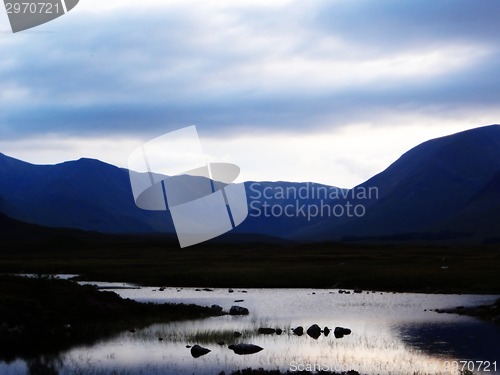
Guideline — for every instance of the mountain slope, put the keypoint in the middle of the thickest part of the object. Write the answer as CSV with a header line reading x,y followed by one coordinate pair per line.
x,y
447,187
280,208
91,195
481,215
85,194
427,188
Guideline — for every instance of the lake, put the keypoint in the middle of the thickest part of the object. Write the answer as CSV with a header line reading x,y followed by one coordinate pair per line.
x,y
392,333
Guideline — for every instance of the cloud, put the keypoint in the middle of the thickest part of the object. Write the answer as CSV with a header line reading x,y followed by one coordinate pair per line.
x,y
395,25
343,157
247,65
120,69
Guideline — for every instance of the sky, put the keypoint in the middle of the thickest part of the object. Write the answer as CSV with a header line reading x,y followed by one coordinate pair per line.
x,y
330,91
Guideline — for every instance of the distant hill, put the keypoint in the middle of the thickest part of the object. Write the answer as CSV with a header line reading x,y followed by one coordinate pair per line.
x,y
280,208
91,195
444,188
15,230
85,194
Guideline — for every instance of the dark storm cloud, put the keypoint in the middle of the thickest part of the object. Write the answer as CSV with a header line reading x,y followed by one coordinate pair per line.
x,y
145,72
406,24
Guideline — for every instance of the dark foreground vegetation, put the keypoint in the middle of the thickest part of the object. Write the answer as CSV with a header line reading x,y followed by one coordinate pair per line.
x,y
158,260
47,315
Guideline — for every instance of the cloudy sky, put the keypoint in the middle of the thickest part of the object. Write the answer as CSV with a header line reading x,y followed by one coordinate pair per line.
x,y
330,91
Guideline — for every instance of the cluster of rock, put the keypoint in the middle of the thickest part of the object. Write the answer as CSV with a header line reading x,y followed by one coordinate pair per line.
x,y
240,349
234,310
315,331
269,331
357,291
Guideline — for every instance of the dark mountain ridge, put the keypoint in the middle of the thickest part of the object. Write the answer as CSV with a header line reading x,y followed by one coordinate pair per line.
x,y
429,187
85,194
447,187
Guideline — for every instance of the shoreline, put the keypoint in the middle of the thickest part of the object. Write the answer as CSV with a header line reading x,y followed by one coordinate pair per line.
x,y
489,313
141,315
44,315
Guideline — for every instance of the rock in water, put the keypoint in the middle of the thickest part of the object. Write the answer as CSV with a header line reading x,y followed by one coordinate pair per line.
x,y
216,308
326,331
339,332
266,331
198,351
314,331
243,349
238,310
299,331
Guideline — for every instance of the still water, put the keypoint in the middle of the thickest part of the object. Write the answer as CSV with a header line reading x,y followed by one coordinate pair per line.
x,y
391,334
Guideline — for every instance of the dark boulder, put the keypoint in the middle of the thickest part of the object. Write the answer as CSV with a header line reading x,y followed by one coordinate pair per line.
x,y
198,351
216,308
326,331
299,331
266,331
314,331
340,332
243,349
238,310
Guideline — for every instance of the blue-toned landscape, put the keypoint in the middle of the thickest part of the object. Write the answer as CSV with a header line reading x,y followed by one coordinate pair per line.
x,y
242,187
381,275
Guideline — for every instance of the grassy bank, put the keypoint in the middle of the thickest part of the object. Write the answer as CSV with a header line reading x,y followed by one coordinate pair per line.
x,y
159,261
490,313
47,315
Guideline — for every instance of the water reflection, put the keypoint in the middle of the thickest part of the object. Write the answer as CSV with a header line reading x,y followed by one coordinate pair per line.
x,y
44,365
390,334
466,340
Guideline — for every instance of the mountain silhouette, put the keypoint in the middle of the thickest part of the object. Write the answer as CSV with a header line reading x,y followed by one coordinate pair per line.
x,y
85,194
445,188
